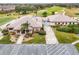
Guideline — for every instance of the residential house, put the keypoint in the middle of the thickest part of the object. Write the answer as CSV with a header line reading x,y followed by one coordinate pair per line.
x,y
7,7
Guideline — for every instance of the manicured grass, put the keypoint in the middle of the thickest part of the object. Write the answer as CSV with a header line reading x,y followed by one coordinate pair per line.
x,y
37,39
40,12
4,18
66,37
5,40
77,46
50,10
55,9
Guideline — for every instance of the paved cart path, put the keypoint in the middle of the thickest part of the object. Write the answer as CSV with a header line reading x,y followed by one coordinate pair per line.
x,y
50,36
75,42
1,35
20,39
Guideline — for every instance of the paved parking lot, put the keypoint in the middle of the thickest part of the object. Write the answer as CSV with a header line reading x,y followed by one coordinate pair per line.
x,y
38,49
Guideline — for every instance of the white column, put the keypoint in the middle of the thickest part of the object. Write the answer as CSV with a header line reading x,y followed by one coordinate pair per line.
x,y
75,23
71,22
68,23
53,23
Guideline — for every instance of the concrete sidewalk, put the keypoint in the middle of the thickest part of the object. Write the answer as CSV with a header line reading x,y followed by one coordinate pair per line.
x,y
1,35
50,36
20,39
75,42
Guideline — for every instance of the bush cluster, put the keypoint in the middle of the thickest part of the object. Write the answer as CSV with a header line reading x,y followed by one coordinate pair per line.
x,y
42,32
69,29
5,32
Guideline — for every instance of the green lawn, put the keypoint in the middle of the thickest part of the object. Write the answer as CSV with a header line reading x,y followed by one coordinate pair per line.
x,y
50,10
40,12
6,40
77,46
55,9
66,37
4,18
38,39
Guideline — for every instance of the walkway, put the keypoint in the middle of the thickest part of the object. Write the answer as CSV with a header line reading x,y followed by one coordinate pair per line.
x,y
50,36
20,39
75,42
1,35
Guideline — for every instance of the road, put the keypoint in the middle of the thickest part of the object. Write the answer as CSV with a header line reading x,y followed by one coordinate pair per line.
x,y
50,36
20,39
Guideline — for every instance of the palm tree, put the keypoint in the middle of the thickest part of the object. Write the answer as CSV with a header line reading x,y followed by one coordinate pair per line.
x,y
24,27
44,14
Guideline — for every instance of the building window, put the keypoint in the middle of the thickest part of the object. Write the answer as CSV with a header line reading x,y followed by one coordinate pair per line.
x,y
10,28
18,31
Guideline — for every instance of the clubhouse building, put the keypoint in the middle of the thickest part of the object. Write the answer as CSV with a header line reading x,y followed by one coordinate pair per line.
x,y
35,23
61,19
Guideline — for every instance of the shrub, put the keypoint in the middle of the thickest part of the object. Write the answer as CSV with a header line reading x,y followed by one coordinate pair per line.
x,y
73,25
44,14
77,13
53,13
69,28
76,30
57,26
5,32
64,29
42,32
